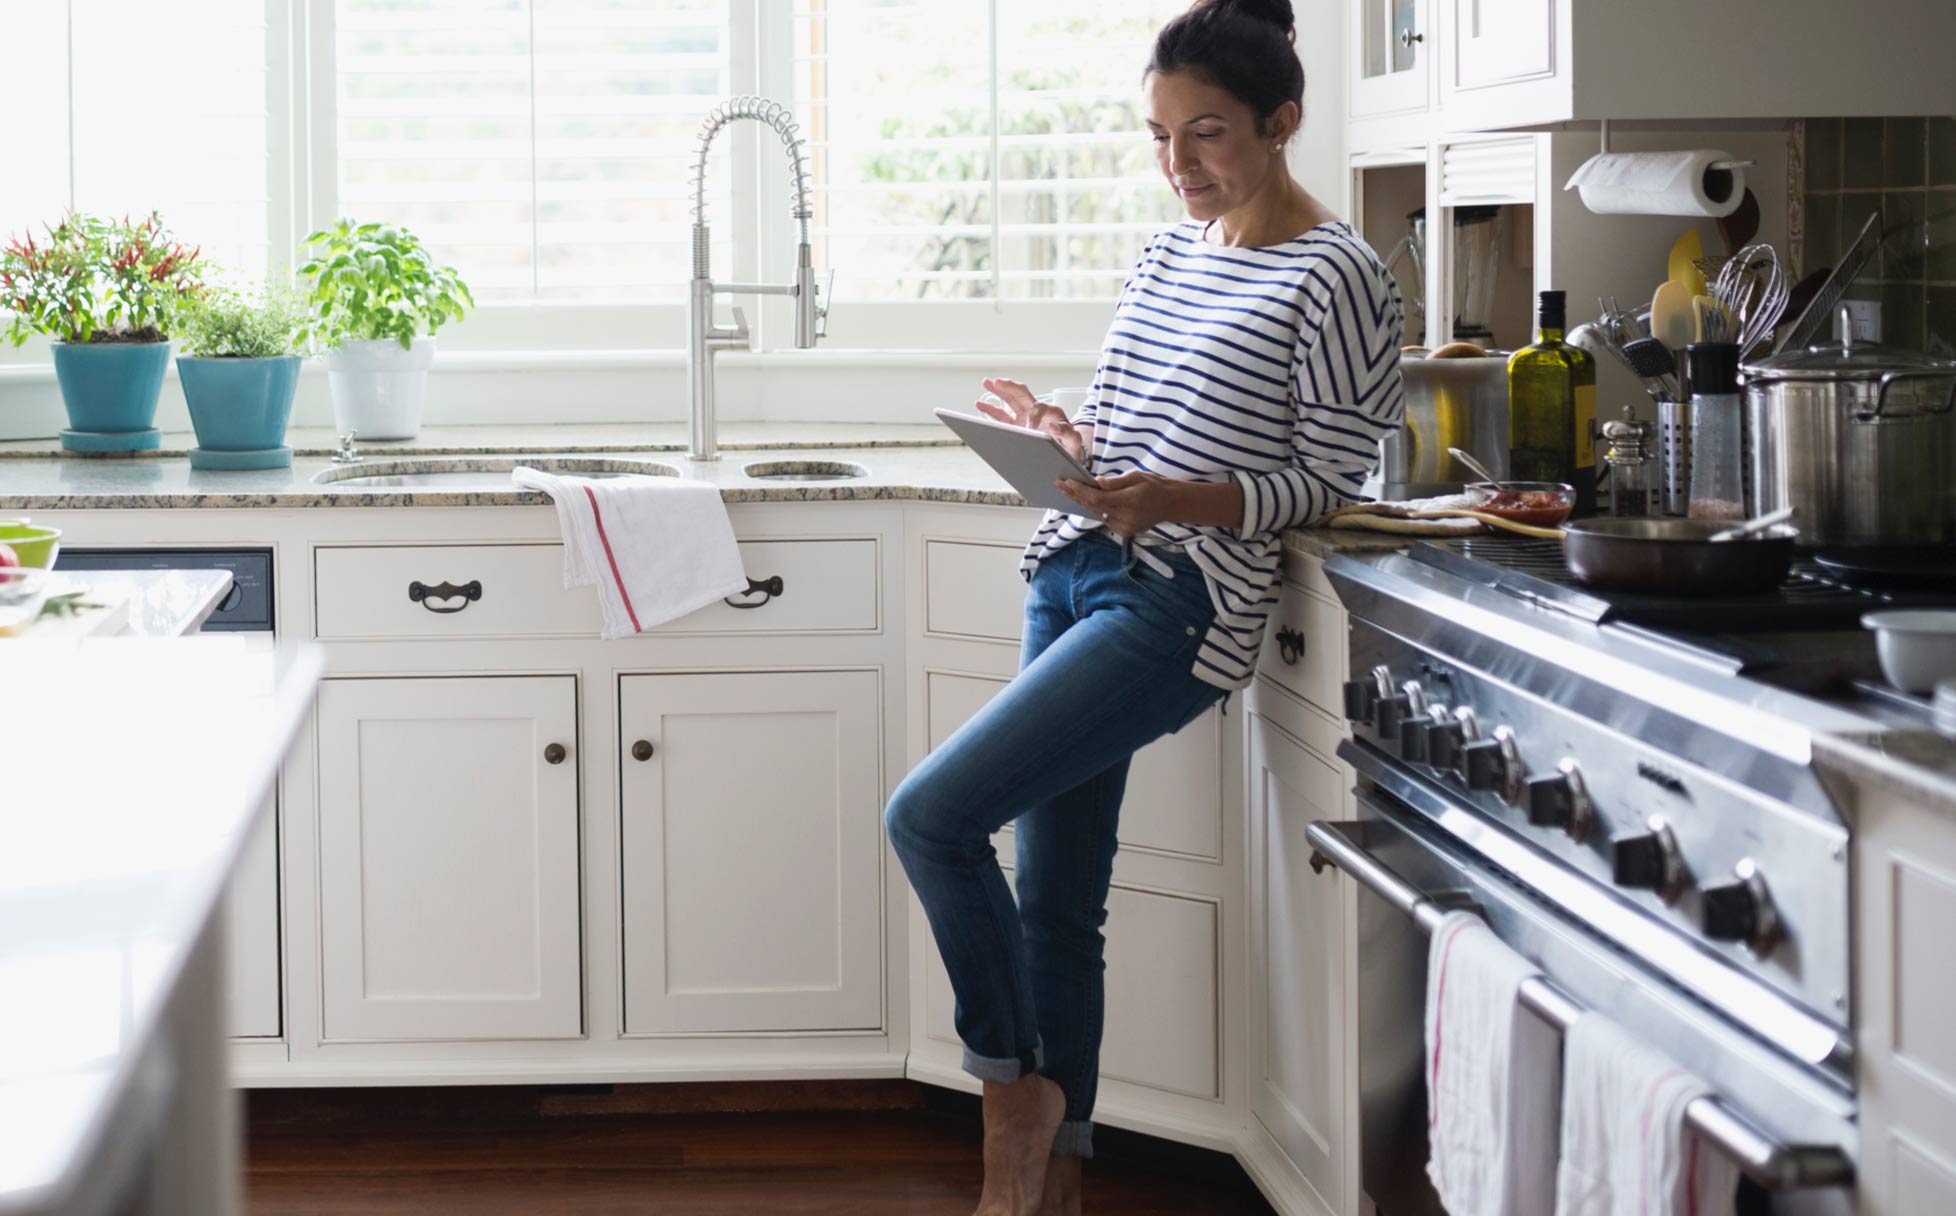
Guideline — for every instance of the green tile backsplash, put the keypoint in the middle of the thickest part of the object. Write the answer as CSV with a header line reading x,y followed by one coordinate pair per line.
x,y
1906,169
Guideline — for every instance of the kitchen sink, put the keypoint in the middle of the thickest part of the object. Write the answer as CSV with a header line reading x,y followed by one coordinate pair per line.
x,y
475,472
804,470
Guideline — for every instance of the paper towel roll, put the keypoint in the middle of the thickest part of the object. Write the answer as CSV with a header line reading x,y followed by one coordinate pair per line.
x,y
1660,183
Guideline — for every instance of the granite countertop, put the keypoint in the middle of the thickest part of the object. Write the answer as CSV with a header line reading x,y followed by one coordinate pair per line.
x,y
1918,766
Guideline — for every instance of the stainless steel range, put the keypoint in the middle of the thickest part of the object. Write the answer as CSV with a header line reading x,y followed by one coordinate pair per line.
x,y
1624,788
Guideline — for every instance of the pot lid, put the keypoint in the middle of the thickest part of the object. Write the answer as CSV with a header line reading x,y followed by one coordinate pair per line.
x,y
1844,360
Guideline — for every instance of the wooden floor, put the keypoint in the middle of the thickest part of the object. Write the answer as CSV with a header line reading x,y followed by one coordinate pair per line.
x,y
800,1148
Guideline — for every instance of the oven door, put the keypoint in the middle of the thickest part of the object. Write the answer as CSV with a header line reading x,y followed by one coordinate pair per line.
x,y
1790,1126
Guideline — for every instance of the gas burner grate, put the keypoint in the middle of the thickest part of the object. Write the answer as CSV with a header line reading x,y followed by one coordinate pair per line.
x,y
1810,598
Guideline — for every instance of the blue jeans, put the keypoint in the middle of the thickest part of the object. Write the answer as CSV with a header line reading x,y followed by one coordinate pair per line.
x,y
1105,668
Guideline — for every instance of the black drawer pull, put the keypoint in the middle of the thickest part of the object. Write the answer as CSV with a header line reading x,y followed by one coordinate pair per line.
x,y
1290,644
423,594
766,588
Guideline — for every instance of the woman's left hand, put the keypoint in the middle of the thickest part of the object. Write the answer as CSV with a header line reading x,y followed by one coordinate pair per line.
x,y
1129,503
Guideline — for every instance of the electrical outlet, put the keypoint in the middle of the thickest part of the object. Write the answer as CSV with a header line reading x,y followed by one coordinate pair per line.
x,y
1865,317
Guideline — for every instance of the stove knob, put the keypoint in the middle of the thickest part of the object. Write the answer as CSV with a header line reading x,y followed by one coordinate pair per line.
x,y
1388,713
1360,697
1412,739
1444,743
1494,765
1560,800
1741,910
1649,861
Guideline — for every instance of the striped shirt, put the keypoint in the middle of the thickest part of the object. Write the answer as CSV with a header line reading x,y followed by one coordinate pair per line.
x,y
1275,366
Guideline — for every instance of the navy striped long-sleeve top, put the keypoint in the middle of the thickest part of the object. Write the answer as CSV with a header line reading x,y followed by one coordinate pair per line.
x,y
1277,366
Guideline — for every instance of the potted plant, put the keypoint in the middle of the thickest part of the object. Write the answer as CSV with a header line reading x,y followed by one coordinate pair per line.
x,y
106,292
239,371
377,299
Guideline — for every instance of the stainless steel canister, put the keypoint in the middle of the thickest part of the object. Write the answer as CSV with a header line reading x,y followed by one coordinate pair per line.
x,y
1860,441
1460,403
1674,457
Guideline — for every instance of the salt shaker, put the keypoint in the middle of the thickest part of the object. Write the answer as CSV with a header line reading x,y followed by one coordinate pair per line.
x,y
1632,468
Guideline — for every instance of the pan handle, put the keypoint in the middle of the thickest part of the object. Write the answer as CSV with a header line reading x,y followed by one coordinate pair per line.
x,y
1891,378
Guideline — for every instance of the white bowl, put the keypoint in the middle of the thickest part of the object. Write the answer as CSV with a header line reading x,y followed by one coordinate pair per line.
x,y
1917,646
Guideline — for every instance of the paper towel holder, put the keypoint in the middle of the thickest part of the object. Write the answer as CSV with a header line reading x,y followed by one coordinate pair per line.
x,y
1603,138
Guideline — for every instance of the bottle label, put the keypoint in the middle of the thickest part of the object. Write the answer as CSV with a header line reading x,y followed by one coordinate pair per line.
x,y
1585,426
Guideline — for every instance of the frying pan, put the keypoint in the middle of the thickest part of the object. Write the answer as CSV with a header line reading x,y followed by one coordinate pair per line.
x,y
1675,556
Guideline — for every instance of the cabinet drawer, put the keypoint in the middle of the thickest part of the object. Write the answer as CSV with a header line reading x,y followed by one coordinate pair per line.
x,y
1315,670
973,590
828,586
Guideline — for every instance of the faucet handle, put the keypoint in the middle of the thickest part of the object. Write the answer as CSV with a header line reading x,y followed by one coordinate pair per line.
x,y
822,296
740,335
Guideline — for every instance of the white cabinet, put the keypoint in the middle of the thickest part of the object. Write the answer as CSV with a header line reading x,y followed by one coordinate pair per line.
x,y
1496,42
1301,1041
1389,45
251,932
1904,998
448,858
752,851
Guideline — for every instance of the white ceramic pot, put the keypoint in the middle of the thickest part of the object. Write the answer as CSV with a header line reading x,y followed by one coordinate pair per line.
x,y
1917,647
378,386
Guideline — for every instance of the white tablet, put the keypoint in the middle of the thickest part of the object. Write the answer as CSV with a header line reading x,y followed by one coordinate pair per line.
x,y
1030,460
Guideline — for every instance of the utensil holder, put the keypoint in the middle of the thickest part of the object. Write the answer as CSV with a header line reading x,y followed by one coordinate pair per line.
x,y
1674,457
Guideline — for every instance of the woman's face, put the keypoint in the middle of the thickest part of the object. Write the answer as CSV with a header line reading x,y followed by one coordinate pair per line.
x,y
1208,145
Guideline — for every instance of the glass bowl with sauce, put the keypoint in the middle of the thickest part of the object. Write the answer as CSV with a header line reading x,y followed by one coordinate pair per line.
x,y
1540,504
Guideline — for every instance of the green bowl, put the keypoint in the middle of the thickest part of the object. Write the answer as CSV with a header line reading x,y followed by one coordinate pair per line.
x,y
34,546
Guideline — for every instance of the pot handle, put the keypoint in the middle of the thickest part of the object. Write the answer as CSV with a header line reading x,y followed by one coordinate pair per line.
x,y
1889,378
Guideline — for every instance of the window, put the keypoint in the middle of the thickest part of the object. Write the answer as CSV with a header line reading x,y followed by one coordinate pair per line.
x,y
126,113
982,177
980,153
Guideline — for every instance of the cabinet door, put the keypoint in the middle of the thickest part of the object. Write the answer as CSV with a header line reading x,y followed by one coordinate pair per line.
x,y
1388,57
1298,1059
1495,42
448,840
251,912
751,832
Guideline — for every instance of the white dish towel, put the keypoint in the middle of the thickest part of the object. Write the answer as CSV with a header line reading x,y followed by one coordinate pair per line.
x,y
656,547
1491,1077
1625,1149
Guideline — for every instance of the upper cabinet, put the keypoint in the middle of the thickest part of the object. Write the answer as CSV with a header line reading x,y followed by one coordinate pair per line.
x,y
1449,66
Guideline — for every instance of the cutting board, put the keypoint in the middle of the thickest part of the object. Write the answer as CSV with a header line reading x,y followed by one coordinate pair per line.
x,y
107,615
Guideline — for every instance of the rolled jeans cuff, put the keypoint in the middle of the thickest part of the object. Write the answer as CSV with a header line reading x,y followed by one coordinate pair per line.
x,y
1075,1139
1005,1069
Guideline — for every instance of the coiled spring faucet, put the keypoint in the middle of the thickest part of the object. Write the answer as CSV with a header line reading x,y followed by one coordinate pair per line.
x,y
703,335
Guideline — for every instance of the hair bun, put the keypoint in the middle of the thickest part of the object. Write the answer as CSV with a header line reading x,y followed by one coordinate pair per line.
x,y
1277,12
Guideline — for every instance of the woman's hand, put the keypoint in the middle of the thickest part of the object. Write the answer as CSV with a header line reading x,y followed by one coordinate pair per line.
x,y
1129,503
1021,408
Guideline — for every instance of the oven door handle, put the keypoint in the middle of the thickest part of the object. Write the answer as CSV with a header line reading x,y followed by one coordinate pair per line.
x,y
1770,1162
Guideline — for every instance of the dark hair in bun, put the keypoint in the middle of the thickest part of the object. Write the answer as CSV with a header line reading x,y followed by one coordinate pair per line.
x,y
1245,47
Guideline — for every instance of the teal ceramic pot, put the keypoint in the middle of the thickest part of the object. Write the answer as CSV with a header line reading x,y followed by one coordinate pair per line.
x,y
239,405
111,386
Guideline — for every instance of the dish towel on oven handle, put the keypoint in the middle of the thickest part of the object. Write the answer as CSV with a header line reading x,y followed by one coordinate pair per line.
x,y
657,548
1491,1077
1625,1148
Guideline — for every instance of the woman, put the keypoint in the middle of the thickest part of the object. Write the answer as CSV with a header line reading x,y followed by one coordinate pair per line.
x,y
1249,373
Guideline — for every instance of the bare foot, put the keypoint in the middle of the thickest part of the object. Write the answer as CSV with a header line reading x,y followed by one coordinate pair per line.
x,y
1062,1195
1021,1120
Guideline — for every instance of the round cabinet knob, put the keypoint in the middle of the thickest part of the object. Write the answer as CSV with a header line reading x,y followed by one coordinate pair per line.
x,y
1649,861
1741,910
1407,38
1360,698
1560,800
642,750
555,753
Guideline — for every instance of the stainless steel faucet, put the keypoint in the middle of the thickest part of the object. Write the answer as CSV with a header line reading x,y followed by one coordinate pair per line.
x,y
703,335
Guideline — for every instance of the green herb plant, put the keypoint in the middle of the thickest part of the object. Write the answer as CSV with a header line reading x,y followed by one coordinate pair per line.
x,y
227,324
97,280
371,281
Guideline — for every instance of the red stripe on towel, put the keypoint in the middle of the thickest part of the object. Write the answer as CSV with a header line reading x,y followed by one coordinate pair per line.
x,y
1439,1005
597,517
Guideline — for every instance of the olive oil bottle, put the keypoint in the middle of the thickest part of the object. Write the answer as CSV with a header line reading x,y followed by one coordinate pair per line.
x,y
1552,409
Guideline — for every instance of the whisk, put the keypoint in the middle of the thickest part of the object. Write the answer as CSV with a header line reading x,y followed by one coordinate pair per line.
x,y
1752,290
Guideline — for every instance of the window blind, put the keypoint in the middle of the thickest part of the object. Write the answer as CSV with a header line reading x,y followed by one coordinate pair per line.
x,y
978,151
542,147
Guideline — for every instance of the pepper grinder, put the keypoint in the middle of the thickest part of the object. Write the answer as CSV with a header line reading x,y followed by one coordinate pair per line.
x,y
1632,469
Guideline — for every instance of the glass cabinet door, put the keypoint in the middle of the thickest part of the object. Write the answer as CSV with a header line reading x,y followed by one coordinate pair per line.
x,y
1390,56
